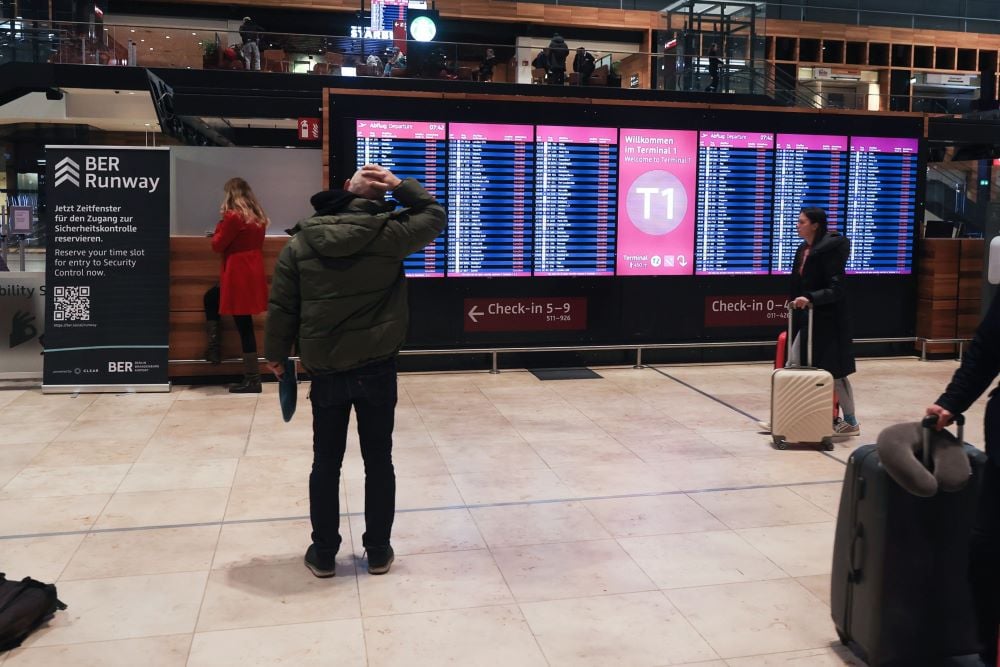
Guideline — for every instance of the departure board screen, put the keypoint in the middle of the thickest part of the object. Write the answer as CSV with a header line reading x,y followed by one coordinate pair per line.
x,y
410,150
576,184
735,184
810,171
882,198
658,173
491,171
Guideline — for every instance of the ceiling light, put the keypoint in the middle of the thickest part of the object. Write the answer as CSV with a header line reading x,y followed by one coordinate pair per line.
x,y
168,36
133,29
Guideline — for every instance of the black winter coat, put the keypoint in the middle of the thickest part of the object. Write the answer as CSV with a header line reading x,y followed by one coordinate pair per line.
x,y
822,282
558,53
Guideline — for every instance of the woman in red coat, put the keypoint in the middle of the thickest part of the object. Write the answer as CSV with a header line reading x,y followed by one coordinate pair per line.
x,y
242,289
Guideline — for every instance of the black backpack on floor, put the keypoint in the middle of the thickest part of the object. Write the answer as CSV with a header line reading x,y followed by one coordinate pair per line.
x,y
24,605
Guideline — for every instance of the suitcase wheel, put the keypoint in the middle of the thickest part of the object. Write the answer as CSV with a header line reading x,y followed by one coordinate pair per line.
x,y
828,444
779,442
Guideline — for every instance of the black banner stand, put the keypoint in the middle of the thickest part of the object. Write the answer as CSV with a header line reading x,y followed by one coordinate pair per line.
x,y
107,269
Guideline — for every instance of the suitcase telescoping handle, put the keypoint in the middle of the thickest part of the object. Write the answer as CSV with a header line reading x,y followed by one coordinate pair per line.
x,y
928,423
809,337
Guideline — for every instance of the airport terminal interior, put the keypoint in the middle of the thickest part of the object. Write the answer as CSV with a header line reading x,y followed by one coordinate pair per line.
x,y
601,457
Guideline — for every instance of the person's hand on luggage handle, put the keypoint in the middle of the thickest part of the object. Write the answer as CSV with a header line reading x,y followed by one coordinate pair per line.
x,y
276,367
944,416
801,302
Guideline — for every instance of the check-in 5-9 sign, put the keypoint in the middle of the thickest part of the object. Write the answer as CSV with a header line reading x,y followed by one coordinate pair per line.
x,y
525,314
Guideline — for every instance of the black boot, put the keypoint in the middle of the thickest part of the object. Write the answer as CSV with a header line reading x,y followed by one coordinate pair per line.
x,y
251,376
213,353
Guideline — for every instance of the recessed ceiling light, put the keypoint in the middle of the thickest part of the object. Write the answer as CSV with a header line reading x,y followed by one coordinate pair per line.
x,y
151,48
133,29
142,40
168,36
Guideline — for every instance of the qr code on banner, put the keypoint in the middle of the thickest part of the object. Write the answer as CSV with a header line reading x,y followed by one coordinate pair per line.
x,y
72,304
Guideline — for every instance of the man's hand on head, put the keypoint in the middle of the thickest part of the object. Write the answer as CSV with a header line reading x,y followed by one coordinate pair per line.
x,y
380,175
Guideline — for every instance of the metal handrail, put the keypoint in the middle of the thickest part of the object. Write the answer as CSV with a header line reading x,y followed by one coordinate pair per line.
x,y
638,348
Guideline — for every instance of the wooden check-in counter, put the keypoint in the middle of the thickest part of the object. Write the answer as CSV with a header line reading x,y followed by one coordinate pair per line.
x,y
194,268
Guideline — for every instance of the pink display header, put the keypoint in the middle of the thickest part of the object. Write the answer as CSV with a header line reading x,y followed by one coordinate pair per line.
x,y
656,202
811,142
736,140
484,132
400,129
576,135
883,145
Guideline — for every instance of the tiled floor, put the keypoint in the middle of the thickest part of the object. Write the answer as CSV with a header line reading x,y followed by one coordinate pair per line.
x,y
628,520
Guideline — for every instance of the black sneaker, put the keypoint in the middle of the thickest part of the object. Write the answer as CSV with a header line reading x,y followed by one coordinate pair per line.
x,y
379,559
321,566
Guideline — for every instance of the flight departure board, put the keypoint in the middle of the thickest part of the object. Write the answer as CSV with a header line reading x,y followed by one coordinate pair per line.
x,y
576,183
735,183
810,171
410,150
882,198
491,172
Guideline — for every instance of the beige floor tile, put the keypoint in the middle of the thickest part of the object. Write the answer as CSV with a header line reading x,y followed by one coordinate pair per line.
x,y
276,501
475,433
434,582
339,643
652,515
72,453
510,486
699,559
56,412
261,543
824,496
430,532
50,482
756,618
412,493
637,629
589,451
270,470
488,636
138,429
552,430
819,657
33,516
32,432
42,558
277,594
22,454
138,552
615,479
720,473
168,651
486,458
167,448
8,473
681,445
124,608
164,508
569,570
118,406
752,508
799,550
538,523
60,402
818,585
8,396
167,475
287,442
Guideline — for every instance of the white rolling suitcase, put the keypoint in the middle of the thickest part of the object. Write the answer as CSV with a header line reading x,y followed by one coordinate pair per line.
x,y
801,399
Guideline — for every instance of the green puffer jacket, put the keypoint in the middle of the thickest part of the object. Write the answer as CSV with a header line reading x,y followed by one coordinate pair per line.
x,y
338,289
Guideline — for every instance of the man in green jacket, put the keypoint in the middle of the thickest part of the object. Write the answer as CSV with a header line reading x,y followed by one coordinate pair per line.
x,y
339,294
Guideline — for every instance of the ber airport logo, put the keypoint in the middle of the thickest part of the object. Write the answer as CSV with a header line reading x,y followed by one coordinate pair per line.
x,y
68,170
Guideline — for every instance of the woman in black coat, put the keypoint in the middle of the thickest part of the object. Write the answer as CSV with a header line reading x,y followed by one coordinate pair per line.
x,y
818,283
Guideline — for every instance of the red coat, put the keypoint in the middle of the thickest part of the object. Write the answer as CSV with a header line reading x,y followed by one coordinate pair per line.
x,y
243,285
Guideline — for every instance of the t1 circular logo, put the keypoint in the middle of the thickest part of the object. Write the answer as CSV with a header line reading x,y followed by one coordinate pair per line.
x,y
656,202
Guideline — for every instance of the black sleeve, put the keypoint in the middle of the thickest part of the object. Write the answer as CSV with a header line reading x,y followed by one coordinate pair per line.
x,y
833,265
980,365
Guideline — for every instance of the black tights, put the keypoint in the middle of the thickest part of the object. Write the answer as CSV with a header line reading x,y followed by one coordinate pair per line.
x,y
244,323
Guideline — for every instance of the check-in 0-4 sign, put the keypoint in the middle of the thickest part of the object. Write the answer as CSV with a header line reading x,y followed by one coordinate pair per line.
x,y
746,310
526,314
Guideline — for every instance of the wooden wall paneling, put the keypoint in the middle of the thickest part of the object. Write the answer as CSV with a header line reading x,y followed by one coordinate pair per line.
x,y
970,269
936,318
937,269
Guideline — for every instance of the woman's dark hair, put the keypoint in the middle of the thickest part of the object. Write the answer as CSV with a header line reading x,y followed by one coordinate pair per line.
x,y
817,216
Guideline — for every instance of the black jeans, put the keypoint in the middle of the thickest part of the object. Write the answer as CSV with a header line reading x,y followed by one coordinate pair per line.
x,y
244,323
371,390
985,565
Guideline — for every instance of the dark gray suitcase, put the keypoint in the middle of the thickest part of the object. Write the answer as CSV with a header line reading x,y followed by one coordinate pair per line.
x,y
900,592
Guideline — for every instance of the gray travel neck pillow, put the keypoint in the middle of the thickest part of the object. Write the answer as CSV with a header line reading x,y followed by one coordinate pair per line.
x,y
900,449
